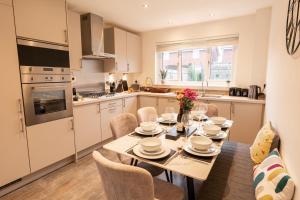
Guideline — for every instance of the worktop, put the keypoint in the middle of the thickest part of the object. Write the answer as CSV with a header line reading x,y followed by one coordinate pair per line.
x,y
224,98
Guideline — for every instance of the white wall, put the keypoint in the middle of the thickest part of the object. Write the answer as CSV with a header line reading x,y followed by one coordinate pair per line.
x,y
253,31
283,92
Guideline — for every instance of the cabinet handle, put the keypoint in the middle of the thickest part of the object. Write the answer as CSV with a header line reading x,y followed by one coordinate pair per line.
x,y
116,66
22,125
232,109
72,124
127,67
20,106
112,109
66,36
99,108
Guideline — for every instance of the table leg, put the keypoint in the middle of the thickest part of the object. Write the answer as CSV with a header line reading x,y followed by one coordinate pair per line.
x,y
190,188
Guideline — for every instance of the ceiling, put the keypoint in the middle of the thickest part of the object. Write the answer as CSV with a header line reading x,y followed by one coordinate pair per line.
x,y
132,14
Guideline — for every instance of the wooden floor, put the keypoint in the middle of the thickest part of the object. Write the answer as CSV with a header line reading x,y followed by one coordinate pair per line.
x,y
76,181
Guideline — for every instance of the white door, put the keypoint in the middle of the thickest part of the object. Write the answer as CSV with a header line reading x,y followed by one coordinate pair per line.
x,y
167,102
130,105
134,52
50,142
13,143
107,115
41,20
248,119
224,108
87,123
74,35
145,101
120,50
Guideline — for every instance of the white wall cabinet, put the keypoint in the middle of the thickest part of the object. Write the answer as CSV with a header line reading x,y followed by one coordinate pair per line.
x,y
127,48
248,119
74,35
130,105
167,102
41,20
87,123
146,101
109,110
50,142
13,143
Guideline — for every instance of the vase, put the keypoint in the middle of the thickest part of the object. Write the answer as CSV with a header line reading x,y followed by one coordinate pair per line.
x,y
162,81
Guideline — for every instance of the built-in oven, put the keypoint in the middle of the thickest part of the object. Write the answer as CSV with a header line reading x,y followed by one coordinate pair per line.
x,y
46,81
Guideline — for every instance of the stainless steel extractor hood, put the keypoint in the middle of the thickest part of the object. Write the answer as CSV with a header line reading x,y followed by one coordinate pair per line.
x,y
92,37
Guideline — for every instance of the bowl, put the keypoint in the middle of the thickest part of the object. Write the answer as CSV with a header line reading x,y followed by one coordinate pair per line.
x,y
150,144
201,142
167,116
211,129
218,120
148,126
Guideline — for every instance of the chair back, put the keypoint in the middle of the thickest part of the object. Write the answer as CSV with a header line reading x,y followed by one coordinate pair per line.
x,y
124,181
212,110
146,114
123,124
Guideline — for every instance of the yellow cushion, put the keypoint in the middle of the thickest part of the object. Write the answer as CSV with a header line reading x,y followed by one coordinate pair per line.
x,y
262,144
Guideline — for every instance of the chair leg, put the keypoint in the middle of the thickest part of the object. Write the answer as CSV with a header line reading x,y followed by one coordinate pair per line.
x,y
131,161
167,175
135,163
171,176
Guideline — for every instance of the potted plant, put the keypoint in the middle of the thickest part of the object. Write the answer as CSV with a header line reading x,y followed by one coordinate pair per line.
x,y
186,100
163,75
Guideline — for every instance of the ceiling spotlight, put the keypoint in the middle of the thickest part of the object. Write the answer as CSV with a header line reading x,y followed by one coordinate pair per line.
x,y
145,5
212,14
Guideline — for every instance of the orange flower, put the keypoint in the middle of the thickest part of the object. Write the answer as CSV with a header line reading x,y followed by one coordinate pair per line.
x,y
179,96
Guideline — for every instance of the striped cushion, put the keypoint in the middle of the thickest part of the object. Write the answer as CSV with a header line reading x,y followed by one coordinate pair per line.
x,y
271,180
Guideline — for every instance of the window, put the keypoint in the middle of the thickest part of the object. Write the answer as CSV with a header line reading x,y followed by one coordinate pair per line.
x,y
214,63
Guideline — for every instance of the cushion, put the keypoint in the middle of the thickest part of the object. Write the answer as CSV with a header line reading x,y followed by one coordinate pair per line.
x,y
271,180
262,144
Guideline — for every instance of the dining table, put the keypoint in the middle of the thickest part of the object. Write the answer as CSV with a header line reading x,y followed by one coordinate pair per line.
x,y
179,161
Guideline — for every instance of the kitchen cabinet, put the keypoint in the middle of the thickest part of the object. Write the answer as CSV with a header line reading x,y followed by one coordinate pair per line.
x,y
50,142
87,124
74,35
146,101
248,119
134,52
224,108
127,48
13,143
44,20
109,110
167,102
130,105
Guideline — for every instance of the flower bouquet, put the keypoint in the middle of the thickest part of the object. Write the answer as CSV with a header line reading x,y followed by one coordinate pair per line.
x,y
186,100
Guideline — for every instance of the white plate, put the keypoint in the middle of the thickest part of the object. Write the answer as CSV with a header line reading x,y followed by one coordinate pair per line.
x,y
216,152
137,151
152,153
219,136
139,130
161,120
210,150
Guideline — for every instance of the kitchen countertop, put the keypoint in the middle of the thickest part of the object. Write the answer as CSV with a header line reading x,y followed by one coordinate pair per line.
x,y
166,95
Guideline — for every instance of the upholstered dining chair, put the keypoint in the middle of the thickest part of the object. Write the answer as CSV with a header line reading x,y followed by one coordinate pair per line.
x,y
124,124
146,114
125,182
212,110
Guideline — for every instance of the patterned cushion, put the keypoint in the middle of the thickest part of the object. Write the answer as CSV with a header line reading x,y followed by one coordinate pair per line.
x,y
262,144
271,180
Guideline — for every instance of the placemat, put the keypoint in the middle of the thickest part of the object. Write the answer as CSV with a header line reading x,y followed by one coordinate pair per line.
x,y
199,158
134,134
161,161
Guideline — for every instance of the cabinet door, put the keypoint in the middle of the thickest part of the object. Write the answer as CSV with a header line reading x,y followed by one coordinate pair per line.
x,y
107,115
224,108
50,142
134,55
74,35
248,119
120,50
130,105
13,143
41,20
145,101
87,123
167,102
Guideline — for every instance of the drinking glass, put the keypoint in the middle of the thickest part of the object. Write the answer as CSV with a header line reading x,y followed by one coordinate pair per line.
x,y
186,122
170,111
153,118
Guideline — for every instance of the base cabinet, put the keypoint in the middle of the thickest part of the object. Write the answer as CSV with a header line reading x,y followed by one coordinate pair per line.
x,y
13,142
50,142
145,101
163,103
248,120
130,105
87,123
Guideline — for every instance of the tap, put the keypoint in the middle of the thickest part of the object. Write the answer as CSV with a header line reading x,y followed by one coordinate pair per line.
x,y
203,92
